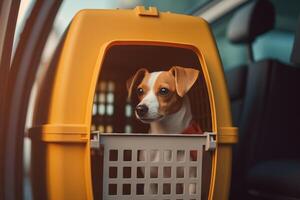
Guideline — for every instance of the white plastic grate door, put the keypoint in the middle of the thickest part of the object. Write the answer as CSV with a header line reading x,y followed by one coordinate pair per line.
x,y
142,166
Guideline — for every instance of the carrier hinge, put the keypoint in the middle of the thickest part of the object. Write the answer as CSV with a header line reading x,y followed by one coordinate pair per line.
x,y
210,141
94,143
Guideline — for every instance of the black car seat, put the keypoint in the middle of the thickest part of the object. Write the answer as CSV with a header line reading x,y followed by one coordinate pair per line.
x,y
253,20
267,162
272,169
247,24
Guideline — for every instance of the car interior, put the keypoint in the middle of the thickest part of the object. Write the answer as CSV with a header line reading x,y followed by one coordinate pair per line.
x,y
265,107
258,42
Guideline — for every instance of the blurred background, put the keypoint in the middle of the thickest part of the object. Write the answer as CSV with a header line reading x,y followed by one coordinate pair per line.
x,y
217,12
276,44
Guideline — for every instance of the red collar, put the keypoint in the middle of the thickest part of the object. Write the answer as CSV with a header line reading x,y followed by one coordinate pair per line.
x,y
193,128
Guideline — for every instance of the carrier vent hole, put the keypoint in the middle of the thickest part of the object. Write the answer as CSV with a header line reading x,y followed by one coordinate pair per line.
x,y
167,188
154,155
192,188
141,155
101,129
126,172
167,155
193,155
103,107
140,172
113,155
94,109
167,171
109,129
126,189
109,109
128,128
193,172
127,155
128,110
180,172
179,188
140,188
180,155
113,172
112,189
153,188
153,172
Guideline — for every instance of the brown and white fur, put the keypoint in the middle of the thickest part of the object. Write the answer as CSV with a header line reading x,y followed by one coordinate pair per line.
x,y
163,102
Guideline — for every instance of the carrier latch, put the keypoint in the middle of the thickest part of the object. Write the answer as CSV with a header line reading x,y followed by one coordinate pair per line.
x,y
152,11
95,144
210,141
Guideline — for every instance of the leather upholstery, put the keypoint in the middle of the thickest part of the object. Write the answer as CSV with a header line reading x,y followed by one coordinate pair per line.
x,y
256,18
267,163
295,57
275,178
236,83
270,124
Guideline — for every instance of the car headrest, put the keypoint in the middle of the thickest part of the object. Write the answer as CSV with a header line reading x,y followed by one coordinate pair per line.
x,y
251,21
295,57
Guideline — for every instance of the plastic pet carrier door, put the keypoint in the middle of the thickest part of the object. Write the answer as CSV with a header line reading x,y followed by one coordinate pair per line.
x,y
174,174
84,91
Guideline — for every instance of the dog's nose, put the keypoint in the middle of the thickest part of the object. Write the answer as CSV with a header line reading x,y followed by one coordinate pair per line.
x,y
141,110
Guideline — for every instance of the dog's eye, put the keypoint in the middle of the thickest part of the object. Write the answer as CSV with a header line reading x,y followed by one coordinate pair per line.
x,y
163,91
140,91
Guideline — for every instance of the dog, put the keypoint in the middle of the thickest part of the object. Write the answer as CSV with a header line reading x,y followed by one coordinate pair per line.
x,y
163,103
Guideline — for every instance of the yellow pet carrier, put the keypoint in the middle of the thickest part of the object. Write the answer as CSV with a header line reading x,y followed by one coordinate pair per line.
x,y
84,92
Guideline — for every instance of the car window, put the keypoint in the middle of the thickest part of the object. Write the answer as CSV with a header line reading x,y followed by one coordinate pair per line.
x,y
232,55
275,44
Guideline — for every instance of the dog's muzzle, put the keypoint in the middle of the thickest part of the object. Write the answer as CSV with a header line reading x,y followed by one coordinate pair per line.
x,y
141,110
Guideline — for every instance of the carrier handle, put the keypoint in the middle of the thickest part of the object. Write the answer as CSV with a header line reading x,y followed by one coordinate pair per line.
x,y
152,11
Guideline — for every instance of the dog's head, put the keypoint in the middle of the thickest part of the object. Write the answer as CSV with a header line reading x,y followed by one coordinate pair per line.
x,y
160,93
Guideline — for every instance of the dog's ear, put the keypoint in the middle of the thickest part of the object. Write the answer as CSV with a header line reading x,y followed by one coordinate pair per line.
x,y
184,79
134,80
